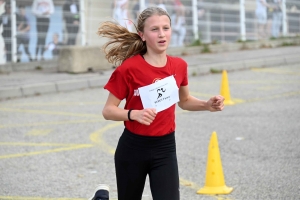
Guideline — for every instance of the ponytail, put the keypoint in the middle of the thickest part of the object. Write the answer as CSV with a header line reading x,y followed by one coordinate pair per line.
x,y
122,43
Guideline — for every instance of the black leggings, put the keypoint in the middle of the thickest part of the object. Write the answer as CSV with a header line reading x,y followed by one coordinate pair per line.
x,y
72,33
136,156
42,26
25,41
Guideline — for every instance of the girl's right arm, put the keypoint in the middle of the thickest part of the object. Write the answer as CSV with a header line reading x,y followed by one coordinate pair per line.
x,y
111,111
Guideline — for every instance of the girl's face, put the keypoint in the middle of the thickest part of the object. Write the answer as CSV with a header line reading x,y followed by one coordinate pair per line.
x,y
157,33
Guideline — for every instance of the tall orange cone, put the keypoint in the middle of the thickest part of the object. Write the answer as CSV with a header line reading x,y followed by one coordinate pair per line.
x,y
225,92
214,183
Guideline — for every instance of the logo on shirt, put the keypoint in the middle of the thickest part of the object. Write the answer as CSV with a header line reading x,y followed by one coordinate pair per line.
x,y
156,79
136,92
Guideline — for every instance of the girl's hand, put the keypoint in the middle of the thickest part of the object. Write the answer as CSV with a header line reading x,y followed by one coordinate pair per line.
x,y
145,116
216,103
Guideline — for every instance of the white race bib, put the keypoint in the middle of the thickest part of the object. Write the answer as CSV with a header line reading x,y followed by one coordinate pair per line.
x,y
160,95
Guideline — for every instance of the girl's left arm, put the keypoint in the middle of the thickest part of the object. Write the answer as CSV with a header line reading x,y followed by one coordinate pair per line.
x,y
188,102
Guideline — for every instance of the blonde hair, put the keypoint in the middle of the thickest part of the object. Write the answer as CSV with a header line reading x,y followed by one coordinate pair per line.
x,y
122,43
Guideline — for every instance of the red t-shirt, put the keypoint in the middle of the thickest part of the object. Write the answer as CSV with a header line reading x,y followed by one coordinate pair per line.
x,y
135,72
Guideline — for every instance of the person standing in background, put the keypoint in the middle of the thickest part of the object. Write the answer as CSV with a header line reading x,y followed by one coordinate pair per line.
x,y
71,17
178,26
2,44
5,21
161,4
277,18
261,15
269,18
120,13
42,9
202,25
136,10
23,29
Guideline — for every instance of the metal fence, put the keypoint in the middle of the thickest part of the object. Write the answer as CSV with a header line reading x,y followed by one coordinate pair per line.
x,y
36,29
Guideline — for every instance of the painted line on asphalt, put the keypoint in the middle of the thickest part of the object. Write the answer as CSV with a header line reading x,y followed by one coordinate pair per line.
x,y
54,104
268,82
74,147
277,71
97,137
40,198
238,101
48,112
52,123
189,184
38,144
219,197
246,82
38,132
276,96
267,88
197,94
36,198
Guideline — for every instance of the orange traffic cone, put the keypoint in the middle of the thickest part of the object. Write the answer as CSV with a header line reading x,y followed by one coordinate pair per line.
x,y
214,183
225,92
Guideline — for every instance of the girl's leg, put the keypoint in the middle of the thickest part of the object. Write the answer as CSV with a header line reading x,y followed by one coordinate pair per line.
x,y
39,28
131,170
164,178
26,47
44,29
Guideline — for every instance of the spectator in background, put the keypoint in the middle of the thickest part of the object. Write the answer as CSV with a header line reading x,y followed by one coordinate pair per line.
x,y
42,9
120,13
150,3
202,26
2,44
178,3
1,3
71,17
200,9
160,4
55,45
23,29
269,18
5,21
136,10
178,26
261,15
277,18
171,5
